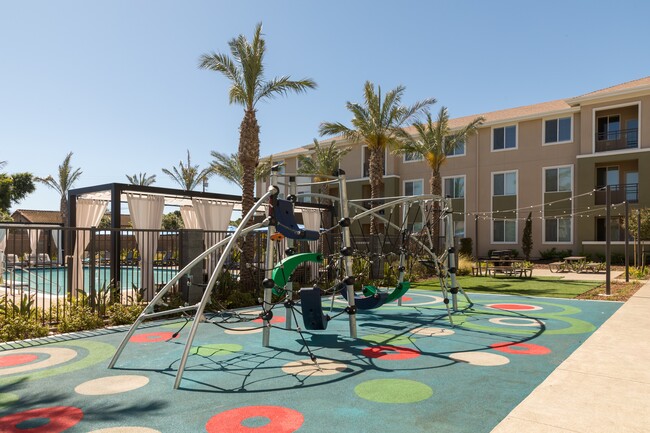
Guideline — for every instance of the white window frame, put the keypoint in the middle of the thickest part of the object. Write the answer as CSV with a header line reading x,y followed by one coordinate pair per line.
x,y
570,140
419,158
571,228
457,155
516,172
504,242
505,149
445,193
556,167
421,181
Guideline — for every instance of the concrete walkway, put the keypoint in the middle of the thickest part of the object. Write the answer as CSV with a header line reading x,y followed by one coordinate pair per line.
x,y
603,387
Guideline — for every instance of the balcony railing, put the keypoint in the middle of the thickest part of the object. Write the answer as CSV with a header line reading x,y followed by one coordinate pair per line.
x,y
617,140
619,193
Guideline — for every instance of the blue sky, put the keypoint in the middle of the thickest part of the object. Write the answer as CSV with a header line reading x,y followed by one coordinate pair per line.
x,y
117,83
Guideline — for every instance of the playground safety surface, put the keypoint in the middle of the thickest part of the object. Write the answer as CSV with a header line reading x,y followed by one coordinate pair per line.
x,y
407,370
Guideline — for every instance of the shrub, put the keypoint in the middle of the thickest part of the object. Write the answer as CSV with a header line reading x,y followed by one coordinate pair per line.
x,y
466,247
78,317
21,327
120,314
464,266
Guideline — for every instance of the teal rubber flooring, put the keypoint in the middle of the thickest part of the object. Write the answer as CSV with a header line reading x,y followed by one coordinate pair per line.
x,y
408,370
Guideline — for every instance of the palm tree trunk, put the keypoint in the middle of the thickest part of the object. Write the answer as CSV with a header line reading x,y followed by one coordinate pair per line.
x,y
63,209
435,183
376,184
249,150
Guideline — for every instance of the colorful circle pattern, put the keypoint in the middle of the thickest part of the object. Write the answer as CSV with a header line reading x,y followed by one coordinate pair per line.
x,y
270,419
59,419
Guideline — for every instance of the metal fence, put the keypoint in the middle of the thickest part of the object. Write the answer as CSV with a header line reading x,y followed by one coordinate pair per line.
x,y
46,269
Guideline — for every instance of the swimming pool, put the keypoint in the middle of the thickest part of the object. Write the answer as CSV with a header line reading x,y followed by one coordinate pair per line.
x,y
54,280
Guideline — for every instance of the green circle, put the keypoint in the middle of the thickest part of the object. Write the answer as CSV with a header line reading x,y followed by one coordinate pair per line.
x,y
216,349
393,391
8,398
387,339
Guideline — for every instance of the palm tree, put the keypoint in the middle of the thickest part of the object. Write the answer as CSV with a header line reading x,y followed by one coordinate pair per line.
x,y
141,179
66,179
377,124
189,176
245,70
322,161
433,141
229,167
2,164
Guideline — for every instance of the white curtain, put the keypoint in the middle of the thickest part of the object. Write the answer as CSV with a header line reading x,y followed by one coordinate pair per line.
x,y
212,215
190,221
3,246
146,214
311,219
56,237
34,234
89,214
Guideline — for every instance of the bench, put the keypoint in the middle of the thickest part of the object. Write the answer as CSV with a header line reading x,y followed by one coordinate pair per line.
x,y
558,267
505,270
594,267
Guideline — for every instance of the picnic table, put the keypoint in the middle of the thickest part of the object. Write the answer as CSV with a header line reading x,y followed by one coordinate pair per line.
x,y
576,264
509,267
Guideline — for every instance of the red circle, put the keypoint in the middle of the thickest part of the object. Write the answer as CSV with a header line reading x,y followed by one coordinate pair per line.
x,y
390,353
521,348
513,307
152,337
13,360
282,420
275,319
406,298
60,418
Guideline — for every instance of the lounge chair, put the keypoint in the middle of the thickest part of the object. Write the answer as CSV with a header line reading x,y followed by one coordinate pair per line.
x,y
163,258
14,261
40,259
130,258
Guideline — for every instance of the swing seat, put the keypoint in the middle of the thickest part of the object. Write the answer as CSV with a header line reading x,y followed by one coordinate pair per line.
x,y
287,225
369,302
284,269
312,309
397,293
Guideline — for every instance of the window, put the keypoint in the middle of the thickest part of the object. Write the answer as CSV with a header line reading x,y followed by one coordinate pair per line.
x,y
558,179
504,138
413,187
454,187
557,230
459,229
505,183
609,127
504,231
616,230
458,150
606,176
557,130
412,156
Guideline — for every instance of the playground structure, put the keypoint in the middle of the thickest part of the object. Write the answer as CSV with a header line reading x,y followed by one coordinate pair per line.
x,y
280,224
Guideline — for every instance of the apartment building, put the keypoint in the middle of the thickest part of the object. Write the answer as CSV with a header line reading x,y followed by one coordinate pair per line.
x,y
551,160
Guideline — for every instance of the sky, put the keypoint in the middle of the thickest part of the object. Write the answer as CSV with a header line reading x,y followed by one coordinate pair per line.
x,y
117,82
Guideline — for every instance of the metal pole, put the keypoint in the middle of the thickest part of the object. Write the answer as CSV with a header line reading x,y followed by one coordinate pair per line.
x,y
608,240
627,241
346,252
268,264
638,237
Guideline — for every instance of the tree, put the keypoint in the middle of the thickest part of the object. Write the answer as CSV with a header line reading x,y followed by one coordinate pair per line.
x,y
14,188
65,180
322,161
377,124
229,167
141,179
433,141
172,221
633,228
189,176
245,70
527,238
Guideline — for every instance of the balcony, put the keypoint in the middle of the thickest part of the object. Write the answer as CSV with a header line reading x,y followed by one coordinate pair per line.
x,y
619,194
617,140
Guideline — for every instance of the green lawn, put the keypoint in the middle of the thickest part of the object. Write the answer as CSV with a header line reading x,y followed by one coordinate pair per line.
x,y
552,287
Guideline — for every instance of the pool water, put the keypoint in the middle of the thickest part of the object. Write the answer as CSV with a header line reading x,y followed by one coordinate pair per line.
x,y
55,280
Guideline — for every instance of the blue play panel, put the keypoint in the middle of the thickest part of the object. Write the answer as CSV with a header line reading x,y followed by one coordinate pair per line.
x,y
408,370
